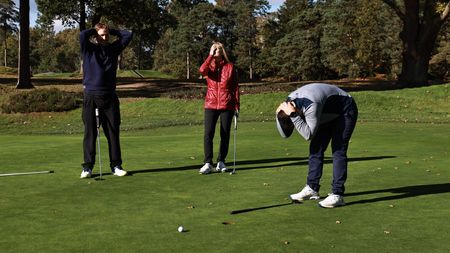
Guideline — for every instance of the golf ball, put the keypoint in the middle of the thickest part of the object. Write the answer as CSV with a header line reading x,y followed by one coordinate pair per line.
x,y
180,229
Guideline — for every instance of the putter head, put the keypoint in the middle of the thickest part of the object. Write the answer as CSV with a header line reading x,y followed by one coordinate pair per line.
x,y
233,172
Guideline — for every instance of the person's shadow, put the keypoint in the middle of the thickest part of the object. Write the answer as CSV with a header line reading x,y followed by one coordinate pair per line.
x,y
401,192
258,164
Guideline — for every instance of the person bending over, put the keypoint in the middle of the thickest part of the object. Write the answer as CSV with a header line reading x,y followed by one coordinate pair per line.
x,y
320,113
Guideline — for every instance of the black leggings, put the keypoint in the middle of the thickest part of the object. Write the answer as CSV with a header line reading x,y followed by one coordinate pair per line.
x,y
211,117
108,106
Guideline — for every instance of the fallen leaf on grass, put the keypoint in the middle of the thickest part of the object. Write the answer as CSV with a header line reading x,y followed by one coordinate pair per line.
x,y
228,223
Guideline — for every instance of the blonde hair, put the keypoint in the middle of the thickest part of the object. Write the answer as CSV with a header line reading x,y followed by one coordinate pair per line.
x,y
224,53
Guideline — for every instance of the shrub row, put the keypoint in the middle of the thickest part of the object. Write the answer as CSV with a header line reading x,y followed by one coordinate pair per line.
x,y
41,100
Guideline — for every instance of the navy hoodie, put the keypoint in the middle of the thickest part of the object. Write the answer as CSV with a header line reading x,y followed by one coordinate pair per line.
x,y
100,61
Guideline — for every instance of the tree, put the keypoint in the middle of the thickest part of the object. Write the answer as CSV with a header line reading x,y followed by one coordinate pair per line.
x,y
148,19
245,31
9,16
422,21
440,62
359,38
298,52
24,80
190,39
68,11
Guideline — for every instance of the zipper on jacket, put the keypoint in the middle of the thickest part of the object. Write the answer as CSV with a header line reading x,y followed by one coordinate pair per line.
x,y
218,89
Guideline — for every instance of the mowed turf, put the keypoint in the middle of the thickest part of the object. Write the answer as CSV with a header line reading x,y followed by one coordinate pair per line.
x,y
398,194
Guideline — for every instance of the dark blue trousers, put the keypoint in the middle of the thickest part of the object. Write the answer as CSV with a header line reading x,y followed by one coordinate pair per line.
x,y
338,132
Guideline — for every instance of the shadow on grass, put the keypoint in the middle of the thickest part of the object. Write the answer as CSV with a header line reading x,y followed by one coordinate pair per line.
x,y
402,192
291,161
262,208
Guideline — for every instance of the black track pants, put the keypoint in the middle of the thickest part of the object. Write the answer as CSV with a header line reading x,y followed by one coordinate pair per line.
x,y
109,109
211,117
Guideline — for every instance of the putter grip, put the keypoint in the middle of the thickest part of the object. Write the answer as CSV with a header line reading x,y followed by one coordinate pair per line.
x,y
97,117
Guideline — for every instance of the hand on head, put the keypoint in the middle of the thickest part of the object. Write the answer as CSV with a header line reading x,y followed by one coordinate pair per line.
x,y
216,49
287,107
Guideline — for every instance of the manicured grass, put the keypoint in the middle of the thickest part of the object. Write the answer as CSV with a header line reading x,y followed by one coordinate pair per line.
x,y
398,190
398,194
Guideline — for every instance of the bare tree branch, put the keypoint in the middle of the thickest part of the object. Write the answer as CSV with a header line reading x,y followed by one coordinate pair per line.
x,y
446,12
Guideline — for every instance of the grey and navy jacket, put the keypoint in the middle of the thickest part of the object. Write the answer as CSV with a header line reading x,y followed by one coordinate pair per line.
x,y
100,61
319,103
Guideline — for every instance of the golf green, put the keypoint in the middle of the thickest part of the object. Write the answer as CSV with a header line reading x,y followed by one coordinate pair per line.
x,y
398,194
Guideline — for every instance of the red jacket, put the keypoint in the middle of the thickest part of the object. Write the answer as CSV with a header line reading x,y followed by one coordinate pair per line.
x,y
223,87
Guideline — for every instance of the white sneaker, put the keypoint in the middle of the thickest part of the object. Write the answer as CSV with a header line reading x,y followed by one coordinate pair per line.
x,y
119,171
86,173
221,167
333,200
206,169
305,193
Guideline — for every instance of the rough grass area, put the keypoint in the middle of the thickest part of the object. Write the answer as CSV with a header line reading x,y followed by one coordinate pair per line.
x,y
40,100
8,71
421,105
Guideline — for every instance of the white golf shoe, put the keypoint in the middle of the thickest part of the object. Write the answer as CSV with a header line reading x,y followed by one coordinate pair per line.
x,y
206,169
119,171
86,173
332,201
221,167
305,194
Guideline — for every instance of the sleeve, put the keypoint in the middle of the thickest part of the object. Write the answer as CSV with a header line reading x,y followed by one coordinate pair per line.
x,y
124,38
84,38
308,124
204,68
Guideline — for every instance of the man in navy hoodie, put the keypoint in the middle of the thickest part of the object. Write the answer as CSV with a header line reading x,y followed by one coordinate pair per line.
x,y
100,59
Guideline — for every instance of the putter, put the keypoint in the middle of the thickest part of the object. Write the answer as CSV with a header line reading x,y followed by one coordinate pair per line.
x,y
234,146
26,173
97,117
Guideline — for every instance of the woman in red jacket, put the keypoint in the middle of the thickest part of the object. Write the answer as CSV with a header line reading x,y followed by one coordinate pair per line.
x,y
222,100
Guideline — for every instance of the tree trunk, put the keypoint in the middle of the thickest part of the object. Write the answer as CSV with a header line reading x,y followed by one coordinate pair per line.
x,y
418,35
24,80
6,51
82,26
187,66
6,48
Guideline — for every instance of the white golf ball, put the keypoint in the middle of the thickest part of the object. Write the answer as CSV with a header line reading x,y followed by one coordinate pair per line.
x,y
180,229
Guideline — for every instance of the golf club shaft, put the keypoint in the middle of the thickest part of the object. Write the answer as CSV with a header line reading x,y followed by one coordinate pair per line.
x,y
99,155
97,117
234,146
26,173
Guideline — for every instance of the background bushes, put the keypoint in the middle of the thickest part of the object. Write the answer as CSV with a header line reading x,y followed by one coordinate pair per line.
x,y
41,100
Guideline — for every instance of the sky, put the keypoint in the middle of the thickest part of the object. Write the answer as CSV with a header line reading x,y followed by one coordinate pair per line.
x,y
275,4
